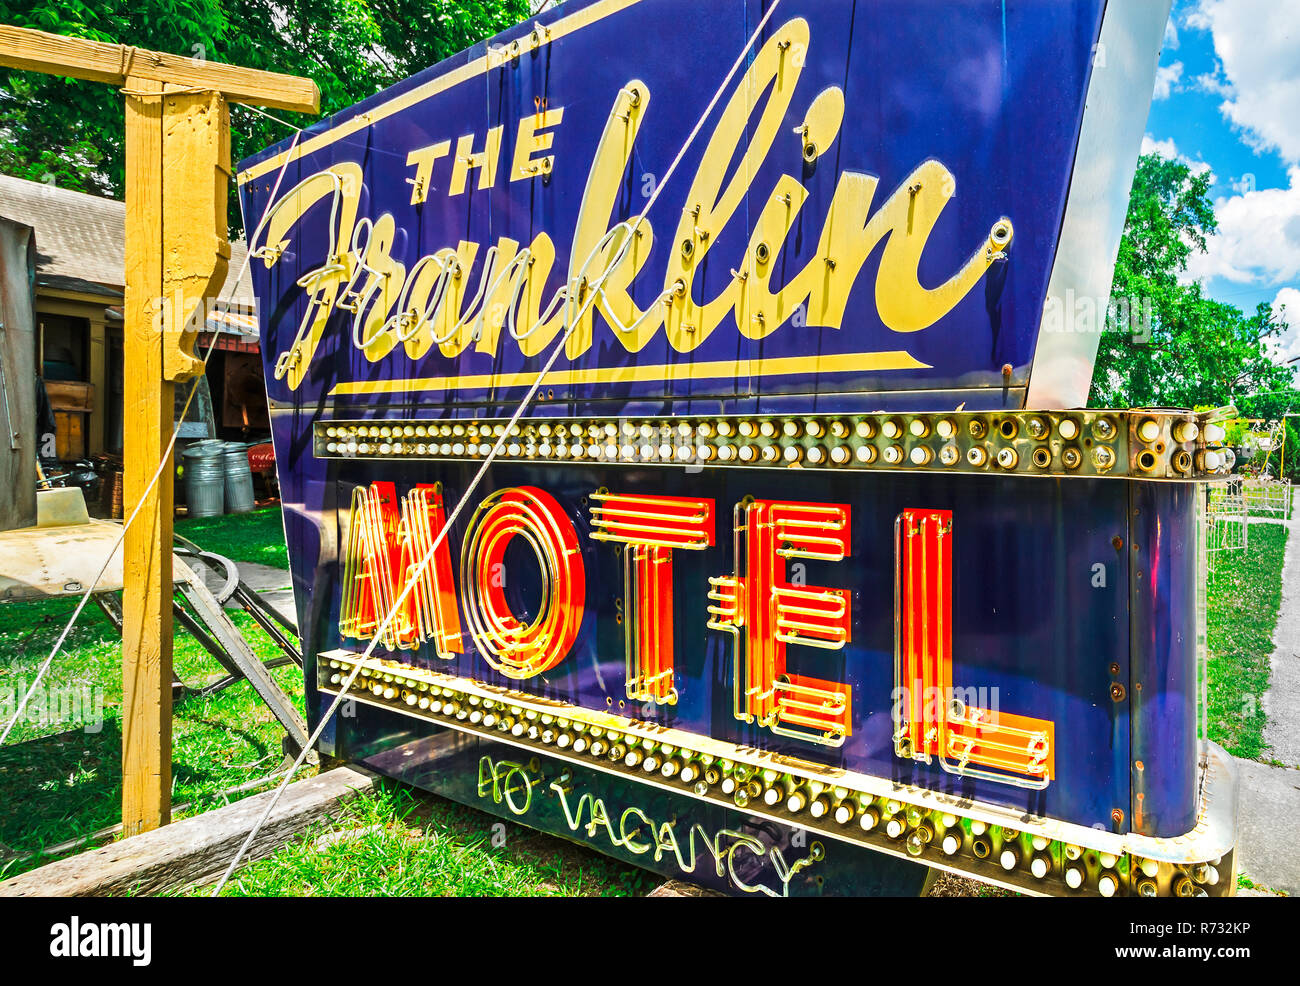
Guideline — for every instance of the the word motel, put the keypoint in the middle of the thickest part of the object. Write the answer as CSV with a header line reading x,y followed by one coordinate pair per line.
x,y
392,542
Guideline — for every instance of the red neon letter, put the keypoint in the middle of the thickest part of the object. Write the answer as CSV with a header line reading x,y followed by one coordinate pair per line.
x,y
930,717
431,606
764,613
516,649
382,550
652,527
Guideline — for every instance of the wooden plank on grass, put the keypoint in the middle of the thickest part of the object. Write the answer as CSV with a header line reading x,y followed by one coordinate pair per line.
x,y
194,851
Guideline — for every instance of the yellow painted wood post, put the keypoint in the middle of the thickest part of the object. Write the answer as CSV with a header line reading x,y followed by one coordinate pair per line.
x,y
146,429
195,187
178,165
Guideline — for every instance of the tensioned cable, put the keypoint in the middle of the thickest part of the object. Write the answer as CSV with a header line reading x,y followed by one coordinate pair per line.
x,y
571,322
144,497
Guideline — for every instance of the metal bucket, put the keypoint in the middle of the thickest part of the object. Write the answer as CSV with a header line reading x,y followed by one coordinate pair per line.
x,y
205,479
239,478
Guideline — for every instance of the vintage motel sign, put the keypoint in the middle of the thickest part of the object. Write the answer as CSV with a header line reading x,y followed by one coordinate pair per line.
x,y
804,532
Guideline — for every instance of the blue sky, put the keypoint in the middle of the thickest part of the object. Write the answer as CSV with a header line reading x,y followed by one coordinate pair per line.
x,y
1227,98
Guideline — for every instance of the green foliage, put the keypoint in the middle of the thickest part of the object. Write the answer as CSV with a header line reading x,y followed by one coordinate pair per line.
x,y
1269,406
74,130
1246,883
1289,460
1199,351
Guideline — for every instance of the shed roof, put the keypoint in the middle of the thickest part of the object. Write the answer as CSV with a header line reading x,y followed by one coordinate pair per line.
x,y
81,239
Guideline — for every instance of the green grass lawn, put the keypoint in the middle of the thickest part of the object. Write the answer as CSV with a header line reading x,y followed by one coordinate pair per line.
x,y
257,536
1244,592
60,769
399,843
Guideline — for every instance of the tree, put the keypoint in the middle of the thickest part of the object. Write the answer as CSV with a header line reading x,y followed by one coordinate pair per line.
x,y
1183,348
73,131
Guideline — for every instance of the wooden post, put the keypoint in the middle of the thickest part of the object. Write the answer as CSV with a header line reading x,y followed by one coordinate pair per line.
x,y
147,424
177,170
177,255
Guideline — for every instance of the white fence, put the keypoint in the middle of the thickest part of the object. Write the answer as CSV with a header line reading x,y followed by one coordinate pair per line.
x,y
1227,521
1231,506
1268,498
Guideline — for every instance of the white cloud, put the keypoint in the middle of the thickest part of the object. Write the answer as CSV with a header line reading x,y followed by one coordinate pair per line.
x,y
1167,148
1171,36
1195,19
1287,347
1258,240
1256,43
1167,79
1212,83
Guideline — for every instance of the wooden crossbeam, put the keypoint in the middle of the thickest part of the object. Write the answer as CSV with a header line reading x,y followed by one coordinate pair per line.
x,y
99,61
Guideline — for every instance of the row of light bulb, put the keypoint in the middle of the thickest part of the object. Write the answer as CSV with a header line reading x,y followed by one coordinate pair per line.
x,y
764,441
1037,427
916,828
561,432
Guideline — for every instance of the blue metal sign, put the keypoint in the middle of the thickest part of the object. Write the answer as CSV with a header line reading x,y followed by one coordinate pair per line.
x,y
789,269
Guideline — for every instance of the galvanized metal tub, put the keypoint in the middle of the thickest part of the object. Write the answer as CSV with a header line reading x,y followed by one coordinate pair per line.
x,y
205,478
239,478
